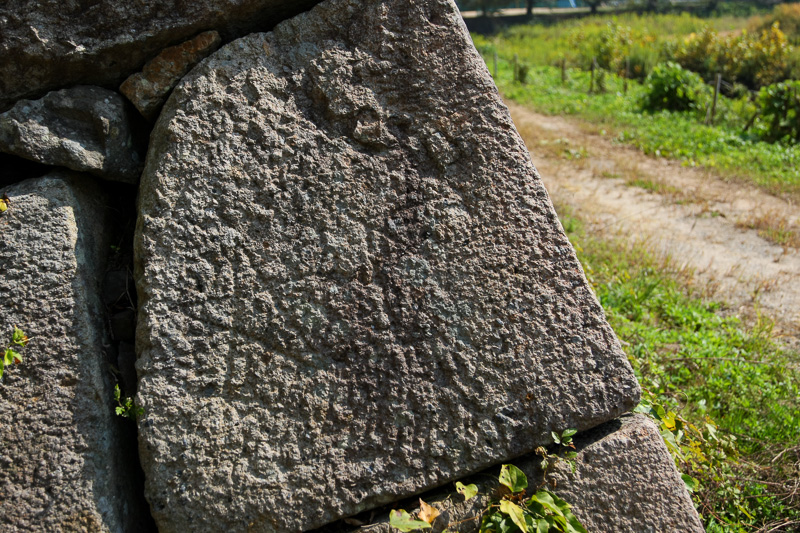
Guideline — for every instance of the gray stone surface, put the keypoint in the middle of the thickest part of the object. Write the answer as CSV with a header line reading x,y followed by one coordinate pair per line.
x,y
642,491
83,128
624,481
50,44
353,286
63,466
149,89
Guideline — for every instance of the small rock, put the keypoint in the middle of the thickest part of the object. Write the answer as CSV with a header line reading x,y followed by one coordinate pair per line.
x,y
149,89
83,128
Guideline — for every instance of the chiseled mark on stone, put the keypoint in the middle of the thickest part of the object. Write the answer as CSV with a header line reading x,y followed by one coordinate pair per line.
x,y
149,89
82,128
353,284
624,480
64,466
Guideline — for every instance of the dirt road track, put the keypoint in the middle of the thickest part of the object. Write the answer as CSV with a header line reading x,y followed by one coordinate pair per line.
x,y
688,214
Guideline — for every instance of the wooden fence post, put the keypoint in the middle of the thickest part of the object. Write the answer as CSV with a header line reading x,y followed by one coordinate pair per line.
x,y
713,110
591,81
563,70
494,64
516,67
627,75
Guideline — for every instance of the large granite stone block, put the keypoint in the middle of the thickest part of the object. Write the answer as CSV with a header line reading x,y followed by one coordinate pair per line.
x,y
353,285
63,465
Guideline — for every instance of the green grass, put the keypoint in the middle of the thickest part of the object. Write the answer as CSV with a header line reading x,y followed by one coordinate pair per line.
x,y
579,40
726,394
773,166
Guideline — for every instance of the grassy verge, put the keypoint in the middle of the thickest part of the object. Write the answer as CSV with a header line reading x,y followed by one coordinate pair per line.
x,y
725,394
775,167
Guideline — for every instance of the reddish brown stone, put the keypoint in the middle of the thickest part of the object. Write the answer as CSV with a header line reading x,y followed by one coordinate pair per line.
x,y
149,89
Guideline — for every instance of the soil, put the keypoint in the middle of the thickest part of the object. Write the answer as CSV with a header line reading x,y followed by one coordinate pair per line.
x,y
691,216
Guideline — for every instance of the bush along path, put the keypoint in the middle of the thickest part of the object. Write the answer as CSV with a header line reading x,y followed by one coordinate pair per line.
x,y
659,241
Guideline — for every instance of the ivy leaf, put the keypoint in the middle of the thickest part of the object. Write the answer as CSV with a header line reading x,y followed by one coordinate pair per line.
x,y
516,513
545,498
513,478
8,357
11,356
543,525
690,482
573,524
19,337
468,491
428,513
400,519
644,407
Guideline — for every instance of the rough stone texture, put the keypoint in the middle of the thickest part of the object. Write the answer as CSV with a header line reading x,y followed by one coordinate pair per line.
x,y
63,466
149,89
353,285
641,492
83,128
50,44
624,481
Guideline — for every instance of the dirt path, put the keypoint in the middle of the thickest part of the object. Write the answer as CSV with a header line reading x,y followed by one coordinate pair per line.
x,y
693,217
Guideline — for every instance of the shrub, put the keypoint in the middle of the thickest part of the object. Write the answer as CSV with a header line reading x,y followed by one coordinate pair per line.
x,y
642,59
671,87
754,60
780,109
788,15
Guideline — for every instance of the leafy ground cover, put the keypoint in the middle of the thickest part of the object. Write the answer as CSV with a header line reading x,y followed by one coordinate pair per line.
x,y
726,395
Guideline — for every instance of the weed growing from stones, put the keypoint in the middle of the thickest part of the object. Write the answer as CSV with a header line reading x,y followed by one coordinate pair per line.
x,y
511,510
126,406
12,355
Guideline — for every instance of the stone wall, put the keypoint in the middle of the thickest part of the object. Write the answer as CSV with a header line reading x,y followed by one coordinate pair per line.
x,y
350,284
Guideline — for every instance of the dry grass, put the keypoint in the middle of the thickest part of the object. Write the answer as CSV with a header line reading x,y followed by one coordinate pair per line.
x,y
774,228
550,147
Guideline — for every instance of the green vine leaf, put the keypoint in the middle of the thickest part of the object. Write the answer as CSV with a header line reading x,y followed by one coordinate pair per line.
x,y
513,478
468,491
19,338
10,354
690,482
547,500
400,519
516,513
